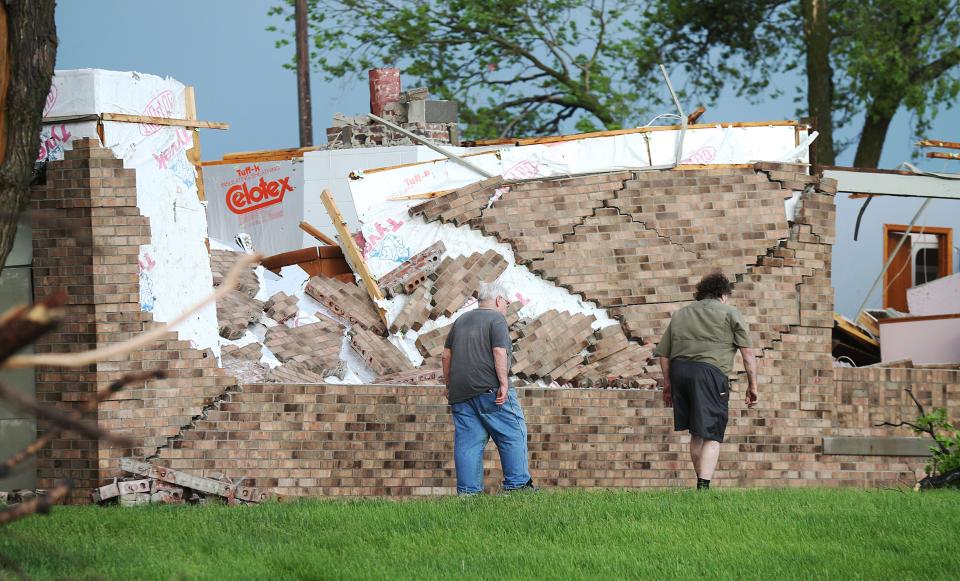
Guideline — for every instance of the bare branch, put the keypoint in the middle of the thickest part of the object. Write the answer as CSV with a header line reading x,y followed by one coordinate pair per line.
x,y
90,405
117,349
22,325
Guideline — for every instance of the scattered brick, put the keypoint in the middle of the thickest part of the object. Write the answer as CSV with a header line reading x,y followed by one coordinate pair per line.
x,y
281,307
459,279
407,278
301,372
420,376
221,261
379,353
430,344
316,345
347,301
235,312
415,312
459,206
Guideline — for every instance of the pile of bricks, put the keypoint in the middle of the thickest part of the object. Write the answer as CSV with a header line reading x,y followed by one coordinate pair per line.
x,y
415,271
430,344
152,484
221,261
379,353
244,362
235,312
281,307
457,279
411,110
315,345
415,312
550,345
347,301
303,372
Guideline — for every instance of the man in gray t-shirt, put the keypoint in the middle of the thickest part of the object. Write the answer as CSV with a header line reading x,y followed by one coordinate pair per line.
x,y
476,369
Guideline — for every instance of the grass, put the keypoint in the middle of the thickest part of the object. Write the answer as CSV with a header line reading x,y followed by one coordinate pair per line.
x,y
725,534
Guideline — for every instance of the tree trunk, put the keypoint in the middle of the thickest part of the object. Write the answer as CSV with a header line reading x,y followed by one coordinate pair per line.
x,y
816,31
872,138
28,50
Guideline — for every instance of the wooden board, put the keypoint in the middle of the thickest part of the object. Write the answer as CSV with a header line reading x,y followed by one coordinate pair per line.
x,y
124,118
353,254
854,331
193,154
938,143
941,155
313,231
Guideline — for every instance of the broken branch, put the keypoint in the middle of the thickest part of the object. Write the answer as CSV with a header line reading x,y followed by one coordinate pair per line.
x,y
39,504
22,325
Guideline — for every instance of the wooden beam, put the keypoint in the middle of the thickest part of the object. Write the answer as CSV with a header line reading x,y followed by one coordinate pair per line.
x,y
938,143
124,118
692,118
313,231
353,254
942,155
854,330
193,154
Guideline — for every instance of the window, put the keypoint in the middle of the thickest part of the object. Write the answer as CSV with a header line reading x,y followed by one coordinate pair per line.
x,y
925,255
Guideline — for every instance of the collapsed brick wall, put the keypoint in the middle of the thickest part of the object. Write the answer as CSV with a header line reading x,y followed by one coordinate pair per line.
x,y
86,241
387,440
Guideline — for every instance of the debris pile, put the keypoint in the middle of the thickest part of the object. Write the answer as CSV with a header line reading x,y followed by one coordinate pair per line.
x,y
150,483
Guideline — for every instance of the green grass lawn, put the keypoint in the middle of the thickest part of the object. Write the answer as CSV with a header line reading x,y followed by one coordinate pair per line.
x,y
728,534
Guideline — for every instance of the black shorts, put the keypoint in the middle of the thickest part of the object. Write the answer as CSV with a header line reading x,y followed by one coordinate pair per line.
x,y
701,397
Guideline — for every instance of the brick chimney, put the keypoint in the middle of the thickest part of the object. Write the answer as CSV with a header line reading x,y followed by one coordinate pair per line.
x,y
384,88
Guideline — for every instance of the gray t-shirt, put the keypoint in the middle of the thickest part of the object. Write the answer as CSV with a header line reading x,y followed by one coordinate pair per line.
x,y
471,340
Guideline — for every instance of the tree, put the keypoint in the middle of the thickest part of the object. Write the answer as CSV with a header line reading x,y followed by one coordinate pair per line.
x,y
515,66
28,49
859,57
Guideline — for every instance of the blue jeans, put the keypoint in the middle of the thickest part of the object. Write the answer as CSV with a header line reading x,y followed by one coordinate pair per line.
x,y
476,421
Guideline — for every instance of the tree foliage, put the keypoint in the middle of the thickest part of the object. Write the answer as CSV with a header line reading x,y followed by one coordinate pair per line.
x,y
529,66
879,56
516,66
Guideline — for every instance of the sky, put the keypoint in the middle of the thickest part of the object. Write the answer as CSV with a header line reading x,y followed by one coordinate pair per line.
x,y
221,47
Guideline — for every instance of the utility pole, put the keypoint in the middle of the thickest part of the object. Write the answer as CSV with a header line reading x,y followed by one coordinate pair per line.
x,y
303,75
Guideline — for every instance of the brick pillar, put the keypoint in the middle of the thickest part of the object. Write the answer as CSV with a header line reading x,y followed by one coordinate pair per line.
x,y
86,239
384,88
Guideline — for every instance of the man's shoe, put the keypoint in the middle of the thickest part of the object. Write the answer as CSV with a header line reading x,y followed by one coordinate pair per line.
x,y
528,487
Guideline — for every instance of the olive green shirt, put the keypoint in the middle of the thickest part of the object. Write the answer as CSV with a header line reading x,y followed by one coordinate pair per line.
x,y
708,331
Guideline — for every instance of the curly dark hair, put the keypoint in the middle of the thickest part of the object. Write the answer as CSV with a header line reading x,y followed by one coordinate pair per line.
x,y
713,286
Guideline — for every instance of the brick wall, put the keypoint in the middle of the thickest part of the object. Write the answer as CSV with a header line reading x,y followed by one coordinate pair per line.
x,y
86,240
348,440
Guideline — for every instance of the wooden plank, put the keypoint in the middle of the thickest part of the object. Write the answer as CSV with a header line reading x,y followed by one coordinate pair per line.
x,y
425,196
313,231
193,154
353,254
938,143
854,331
124,118
941,155
613,132
869,323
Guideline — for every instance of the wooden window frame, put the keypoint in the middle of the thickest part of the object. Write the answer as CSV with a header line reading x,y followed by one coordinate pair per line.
x,y
945,257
